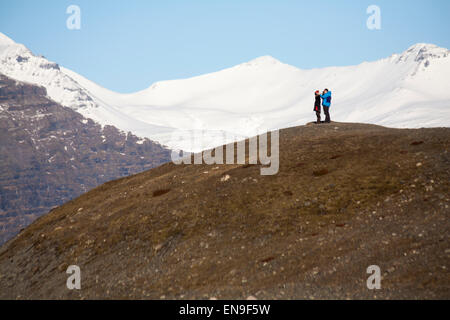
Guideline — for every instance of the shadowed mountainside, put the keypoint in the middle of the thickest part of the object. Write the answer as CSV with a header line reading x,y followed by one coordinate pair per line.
x,y
50,154
347,196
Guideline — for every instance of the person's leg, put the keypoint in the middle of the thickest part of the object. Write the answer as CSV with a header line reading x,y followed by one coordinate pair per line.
x,y
318,116
327,114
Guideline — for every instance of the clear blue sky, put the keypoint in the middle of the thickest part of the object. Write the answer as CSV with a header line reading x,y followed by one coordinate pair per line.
x,y
127,45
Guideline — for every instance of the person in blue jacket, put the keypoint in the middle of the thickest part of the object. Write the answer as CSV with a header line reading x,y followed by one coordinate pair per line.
x,y
326,103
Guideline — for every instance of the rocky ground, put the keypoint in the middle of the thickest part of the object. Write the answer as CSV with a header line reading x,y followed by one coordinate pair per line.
x,y
347,196
50,154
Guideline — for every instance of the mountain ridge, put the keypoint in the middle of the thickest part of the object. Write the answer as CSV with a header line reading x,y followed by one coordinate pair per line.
x,y
255,96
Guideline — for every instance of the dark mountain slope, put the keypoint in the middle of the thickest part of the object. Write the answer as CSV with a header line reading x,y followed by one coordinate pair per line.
x,y
50,154
347,196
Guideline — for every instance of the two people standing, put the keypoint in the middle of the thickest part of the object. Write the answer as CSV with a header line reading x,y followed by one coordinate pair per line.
x,y
326,103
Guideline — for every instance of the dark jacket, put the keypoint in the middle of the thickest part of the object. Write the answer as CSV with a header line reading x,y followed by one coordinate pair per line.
x,y
317,103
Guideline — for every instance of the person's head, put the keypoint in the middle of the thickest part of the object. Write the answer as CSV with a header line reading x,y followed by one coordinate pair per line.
x,y
317,92
325,91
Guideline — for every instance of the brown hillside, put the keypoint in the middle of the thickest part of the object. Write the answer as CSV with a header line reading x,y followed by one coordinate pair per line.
x,y
347,196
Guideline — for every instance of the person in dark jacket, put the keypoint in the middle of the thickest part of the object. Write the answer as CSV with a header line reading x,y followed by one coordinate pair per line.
x,y
326,103
317,106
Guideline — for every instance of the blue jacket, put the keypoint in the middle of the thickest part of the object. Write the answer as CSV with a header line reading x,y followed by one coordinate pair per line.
x,y
326,99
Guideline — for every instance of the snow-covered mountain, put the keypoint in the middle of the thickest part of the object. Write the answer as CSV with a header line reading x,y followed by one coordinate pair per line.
x,y
411,89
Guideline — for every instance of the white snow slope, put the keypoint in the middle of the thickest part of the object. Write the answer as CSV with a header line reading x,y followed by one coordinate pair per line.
x,y
407,90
